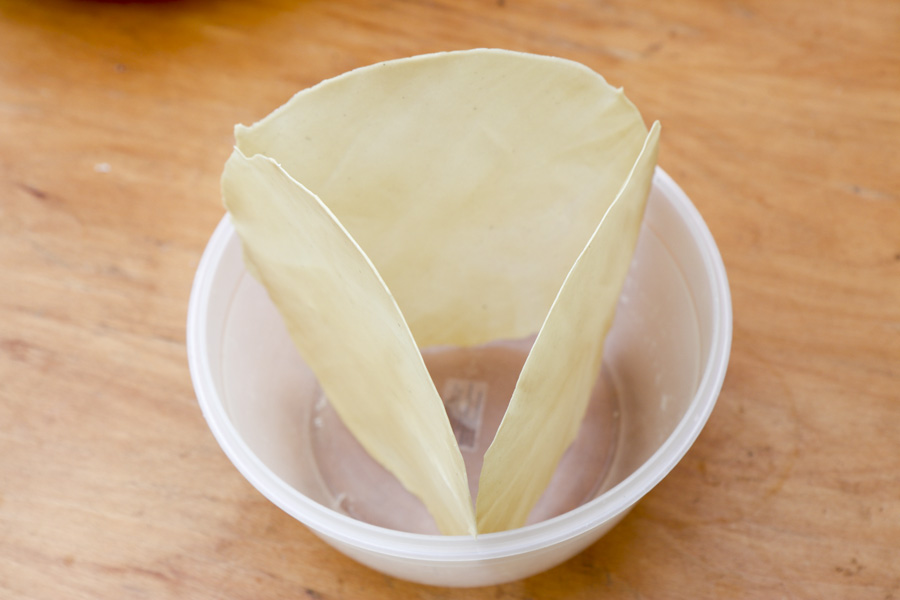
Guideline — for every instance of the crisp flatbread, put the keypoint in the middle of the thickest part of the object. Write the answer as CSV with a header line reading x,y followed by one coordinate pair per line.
x,y
327,291
553,390
443,200
472,179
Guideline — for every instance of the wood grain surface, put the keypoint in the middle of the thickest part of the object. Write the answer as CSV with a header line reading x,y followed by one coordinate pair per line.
x,y
781,121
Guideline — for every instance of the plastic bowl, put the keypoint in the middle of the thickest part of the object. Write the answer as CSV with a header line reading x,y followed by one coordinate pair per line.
x,y
664,360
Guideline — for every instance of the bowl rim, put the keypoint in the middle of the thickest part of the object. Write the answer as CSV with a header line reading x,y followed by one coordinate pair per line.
x,y
440,548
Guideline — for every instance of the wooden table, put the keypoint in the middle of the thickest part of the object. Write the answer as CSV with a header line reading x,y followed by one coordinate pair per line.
x,y
781,121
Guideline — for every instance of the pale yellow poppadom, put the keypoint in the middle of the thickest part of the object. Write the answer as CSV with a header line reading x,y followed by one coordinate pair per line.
x,y
447,199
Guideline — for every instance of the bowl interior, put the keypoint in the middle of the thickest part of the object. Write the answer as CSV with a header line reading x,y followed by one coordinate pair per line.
x,y
662,344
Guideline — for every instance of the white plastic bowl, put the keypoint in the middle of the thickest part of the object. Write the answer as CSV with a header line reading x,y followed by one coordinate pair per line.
x,y
666,354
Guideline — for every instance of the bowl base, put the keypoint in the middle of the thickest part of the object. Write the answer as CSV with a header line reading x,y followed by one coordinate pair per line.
x,y
475,385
